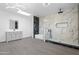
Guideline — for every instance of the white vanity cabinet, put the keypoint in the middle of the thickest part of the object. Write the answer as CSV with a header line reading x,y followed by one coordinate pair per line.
x,y
13,35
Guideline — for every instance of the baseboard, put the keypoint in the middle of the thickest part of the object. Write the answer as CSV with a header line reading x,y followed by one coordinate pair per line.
x,y
3,41
16,39
63,44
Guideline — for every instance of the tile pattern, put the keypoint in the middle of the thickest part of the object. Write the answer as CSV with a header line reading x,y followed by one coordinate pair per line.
x,y
67,34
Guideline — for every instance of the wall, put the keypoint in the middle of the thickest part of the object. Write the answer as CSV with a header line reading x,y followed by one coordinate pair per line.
x,y
24,23
78,23
67,34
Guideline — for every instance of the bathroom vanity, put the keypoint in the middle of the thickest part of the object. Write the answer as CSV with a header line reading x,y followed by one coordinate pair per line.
x,y
13,35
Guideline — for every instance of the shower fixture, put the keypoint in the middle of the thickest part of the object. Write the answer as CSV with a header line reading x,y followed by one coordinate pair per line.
x,y
60,11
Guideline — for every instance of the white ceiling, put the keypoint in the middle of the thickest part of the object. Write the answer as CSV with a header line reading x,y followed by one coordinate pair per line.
x,y
37,9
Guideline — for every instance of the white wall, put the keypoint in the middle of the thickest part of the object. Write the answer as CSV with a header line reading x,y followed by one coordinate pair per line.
x,y
68,34
25,24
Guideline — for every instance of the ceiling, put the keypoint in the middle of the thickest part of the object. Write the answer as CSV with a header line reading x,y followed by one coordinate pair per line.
x,y
37,9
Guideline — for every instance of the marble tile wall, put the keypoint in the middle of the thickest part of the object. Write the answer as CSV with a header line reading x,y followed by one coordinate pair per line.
x,y
67,22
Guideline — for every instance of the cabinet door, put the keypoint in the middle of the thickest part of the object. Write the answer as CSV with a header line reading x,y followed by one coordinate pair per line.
x,y
16,35
8,36
13,36
20,34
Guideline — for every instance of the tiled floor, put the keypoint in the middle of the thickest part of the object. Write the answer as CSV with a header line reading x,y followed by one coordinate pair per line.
x,y
29,46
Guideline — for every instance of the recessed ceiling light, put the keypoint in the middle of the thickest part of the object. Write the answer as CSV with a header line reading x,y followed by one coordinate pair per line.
x,y
46,4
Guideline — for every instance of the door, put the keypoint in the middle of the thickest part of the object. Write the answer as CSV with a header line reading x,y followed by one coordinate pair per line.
x,y
36,26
